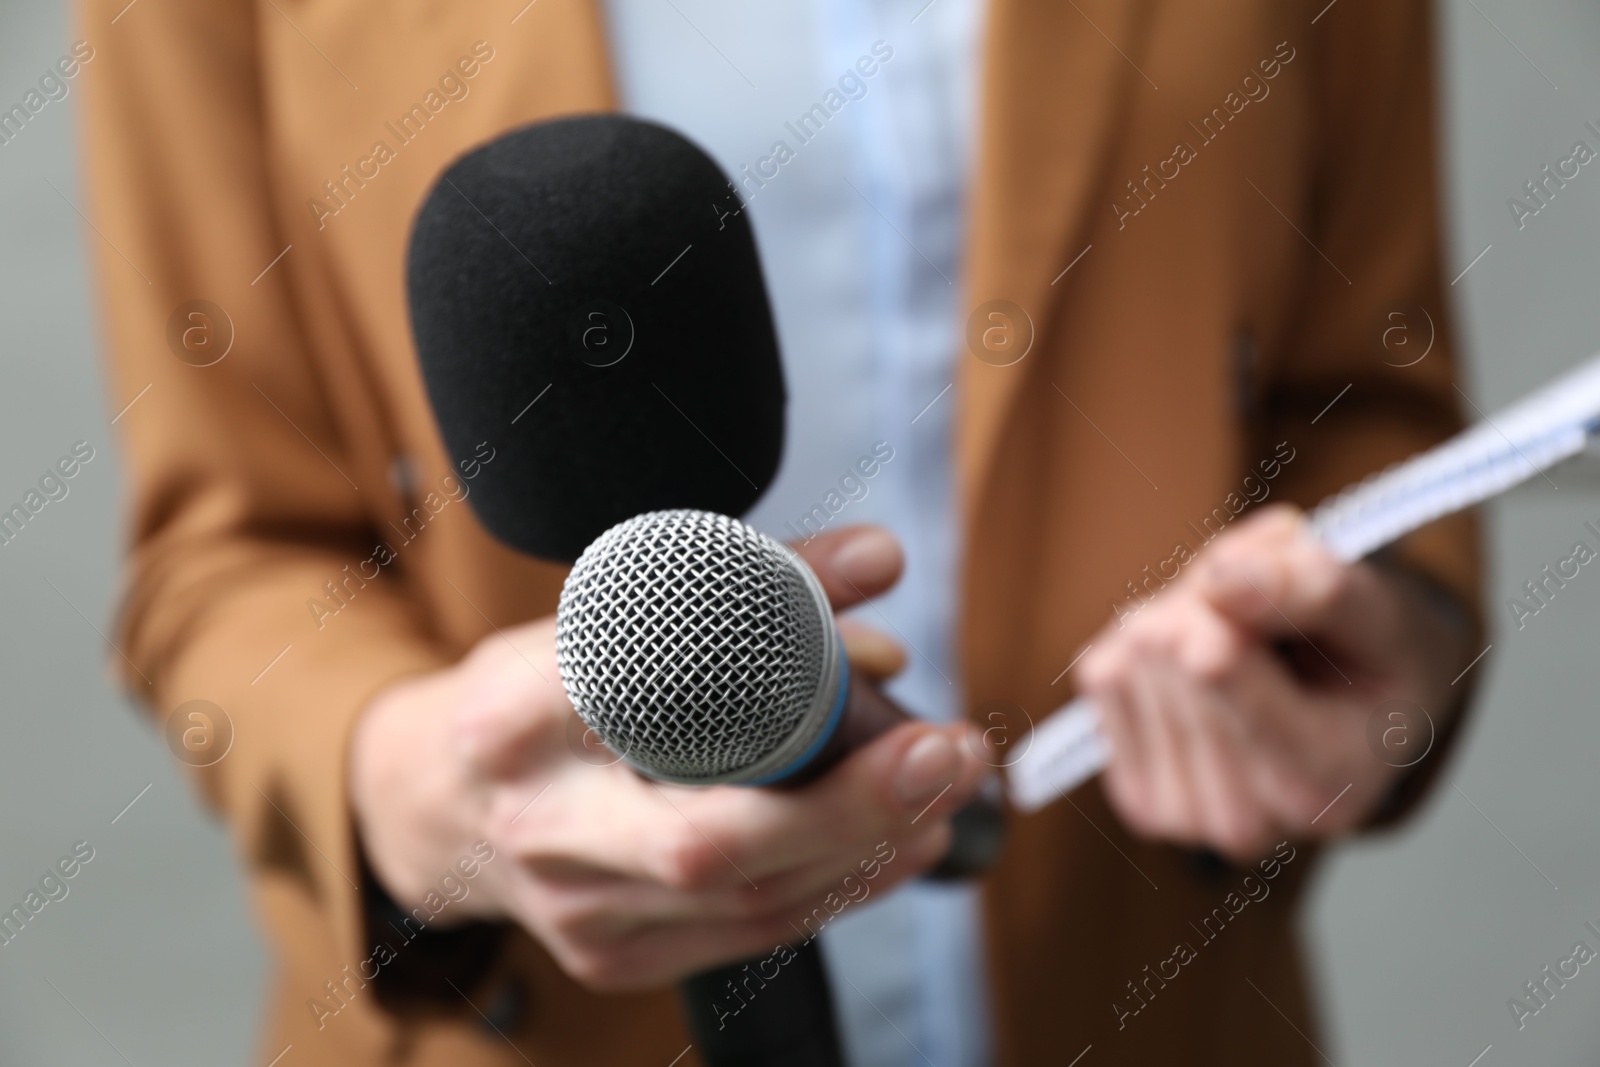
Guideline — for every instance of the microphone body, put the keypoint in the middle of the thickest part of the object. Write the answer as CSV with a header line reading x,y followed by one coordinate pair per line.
x,y
791,1026
703,652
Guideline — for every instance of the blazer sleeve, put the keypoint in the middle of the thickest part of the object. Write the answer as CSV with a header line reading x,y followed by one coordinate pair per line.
x,y
245,499
1379,300
1380,303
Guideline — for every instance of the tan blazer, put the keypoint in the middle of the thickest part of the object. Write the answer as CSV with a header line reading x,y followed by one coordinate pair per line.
x,y
1227,299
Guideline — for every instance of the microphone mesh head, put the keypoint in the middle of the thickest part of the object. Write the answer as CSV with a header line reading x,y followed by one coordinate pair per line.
x,y
697,648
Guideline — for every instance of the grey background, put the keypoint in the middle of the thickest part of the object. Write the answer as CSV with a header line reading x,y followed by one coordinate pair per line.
x,y
1417,939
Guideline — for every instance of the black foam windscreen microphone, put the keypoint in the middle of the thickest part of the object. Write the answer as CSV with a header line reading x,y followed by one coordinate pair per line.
x,y
585,296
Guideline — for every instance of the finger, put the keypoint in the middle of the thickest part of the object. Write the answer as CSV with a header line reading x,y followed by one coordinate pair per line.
x,y
780,893
1104,673
1206,645
1153,700
1232,819
670,951
1261,708
854,564
1262,530
1275,578
696,839
510,697
1191,787
1161,629
596,903
1306,745
1127,776
872,653
913,772
1148,791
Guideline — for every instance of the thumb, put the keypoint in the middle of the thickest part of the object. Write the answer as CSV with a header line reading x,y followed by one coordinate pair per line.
x,y
914,769
509,699
873,654
1272,577
854,564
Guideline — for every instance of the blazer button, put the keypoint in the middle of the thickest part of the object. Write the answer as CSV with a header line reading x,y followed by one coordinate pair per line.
x,y
506,1008
1208,866
403,477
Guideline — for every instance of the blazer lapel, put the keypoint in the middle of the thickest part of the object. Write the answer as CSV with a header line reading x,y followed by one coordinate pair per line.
x,y
1053,86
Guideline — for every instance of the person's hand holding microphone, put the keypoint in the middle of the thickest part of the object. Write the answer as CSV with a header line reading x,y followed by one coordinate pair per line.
x,y
627,882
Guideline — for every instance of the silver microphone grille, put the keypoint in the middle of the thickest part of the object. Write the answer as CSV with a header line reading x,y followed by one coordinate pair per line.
x,y
698,648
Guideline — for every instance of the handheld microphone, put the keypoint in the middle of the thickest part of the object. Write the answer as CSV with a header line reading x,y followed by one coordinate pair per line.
x,y
703,652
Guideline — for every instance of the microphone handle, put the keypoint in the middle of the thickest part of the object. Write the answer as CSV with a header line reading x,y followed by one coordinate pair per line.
x,y
869,713
792,1024
978,828
743,1015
